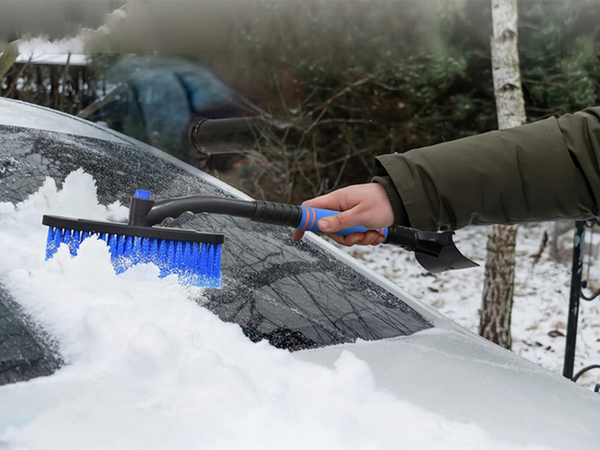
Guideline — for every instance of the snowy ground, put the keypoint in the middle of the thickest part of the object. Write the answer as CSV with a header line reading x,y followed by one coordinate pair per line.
x,y
541,294
148,368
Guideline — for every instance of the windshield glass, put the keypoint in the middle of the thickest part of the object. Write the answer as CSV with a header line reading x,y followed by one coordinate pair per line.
x,y
295,295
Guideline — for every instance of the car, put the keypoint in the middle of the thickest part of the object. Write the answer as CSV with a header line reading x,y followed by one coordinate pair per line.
x,y
154,98
360,336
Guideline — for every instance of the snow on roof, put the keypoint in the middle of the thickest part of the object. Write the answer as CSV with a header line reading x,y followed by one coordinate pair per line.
x,y
43,51
76,59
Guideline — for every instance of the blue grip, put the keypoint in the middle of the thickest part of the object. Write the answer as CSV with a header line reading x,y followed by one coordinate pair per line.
x,y
310,217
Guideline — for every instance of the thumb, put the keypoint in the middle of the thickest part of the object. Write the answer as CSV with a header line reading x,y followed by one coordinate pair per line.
x,y
346,219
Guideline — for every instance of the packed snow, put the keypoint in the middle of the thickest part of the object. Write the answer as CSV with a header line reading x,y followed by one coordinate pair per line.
x,y
147,367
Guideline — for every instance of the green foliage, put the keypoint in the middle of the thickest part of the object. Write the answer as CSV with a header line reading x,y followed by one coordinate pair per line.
x,y
355,79
558,46
358,79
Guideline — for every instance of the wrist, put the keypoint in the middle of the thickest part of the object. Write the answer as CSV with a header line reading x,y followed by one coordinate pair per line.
x,y
400,214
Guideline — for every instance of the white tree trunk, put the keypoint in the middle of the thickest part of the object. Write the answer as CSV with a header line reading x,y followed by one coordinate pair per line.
x,y
499,279
510,105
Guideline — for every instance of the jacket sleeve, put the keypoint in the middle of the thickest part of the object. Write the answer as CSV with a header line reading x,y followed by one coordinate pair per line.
x,y
546,170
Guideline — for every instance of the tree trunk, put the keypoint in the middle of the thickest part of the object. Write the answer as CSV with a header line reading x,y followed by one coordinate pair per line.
x,y
500,261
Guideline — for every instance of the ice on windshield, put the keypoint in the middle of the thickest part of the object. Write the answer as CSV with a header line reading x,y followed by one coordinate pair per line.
x,y
147,368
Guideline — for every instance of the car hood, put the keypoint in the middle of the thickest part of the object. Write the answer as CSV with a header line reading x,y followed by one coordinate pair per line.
x,y
460,376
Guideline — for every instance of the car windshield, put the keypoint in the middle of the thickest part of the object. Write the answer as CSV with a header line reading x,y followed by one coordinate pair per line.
x,y
295,295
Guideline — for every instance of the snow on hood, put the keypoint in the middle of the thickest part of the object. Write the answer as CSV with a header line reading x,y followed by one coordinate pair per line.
x,y
470,380
147,367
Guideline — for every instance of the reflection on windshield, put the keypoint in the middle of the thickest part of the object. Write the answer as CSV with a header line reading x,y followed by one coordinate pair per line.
x,y
293,294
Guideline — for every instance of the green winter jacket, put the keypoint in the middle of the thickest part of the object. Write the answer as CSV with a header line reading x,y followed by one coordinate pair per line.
x,y
546,170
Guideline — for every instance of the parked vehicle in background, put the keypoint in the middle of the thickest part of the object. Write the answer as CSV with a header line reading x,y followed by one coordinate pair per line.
x,y
154,98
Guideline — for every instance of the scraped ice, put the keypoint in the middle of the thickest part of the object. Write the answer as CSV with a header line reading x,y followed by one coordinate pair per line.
x,y
147,367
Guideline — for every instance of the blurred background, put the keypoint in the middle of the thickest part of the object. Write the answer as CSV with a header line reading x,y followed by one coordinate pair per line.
x,y
336,82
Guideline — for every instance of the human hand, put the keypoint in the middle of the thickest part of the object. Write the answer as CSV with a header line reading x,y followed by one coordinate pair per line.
x,y
364,205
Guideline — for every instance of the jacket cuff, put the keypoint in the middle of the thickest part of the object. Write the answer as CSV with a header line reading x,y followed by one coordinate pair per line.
x,y
400,214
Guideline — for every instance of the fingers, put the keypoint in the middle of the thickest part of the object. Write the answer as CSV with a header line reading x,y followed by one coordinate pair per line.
x,y
336,200
359,205
368,238
379,240
346,219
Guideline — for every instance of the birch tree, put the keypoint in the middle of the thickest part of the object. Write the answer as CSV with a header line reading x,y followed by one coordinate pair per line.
x,y
495,319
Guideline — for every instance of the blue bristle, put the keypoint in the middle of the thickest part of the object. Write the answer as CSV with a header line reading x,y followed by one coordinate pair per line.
x,y
50,246
153,251
211,259
120,249
74,243
187,256
57,239
196,256
216,269
190,269
179,261
203,266
128,246
145,251
170,257
112,247
195,264
66,237
162,257
116,253
136,251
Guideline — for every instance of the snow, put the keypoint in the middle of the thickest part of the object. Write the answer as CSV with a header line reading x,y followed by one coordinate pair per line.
x,y
42,51
42,45
541,295
147,367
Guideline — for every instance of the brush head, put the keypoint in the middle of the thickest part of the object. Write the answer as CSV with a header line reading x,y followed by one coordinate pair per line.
x,y
193,256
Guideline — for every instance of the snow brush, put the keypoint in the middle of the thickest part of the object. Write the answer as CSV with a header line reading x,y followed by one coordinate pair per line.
x,y
195,257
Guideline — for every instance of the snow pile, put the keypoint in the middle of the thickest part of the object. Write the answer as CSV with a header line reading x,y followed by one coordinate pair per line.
x,y
148,368
541,297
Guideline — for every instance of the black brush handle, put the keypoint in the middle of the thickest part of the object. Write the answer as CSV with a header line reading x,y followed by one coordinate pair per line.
x,y
198,204
265,212
277,214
